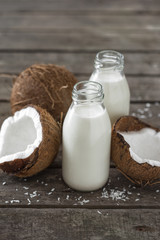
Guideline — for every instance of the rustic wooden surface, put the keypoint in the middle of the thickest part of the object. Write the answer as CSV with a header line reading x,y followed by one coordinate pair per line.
x,y
70,33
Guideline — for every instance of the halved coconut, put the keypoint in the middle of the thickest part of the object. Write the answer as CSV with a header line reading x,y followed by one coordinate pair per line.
x,y
48,86
136,150
29,141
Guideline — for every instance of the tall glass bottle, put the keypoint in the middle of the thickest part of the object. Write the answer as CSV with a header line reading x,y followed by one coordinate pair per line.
x,y
86,139
109,72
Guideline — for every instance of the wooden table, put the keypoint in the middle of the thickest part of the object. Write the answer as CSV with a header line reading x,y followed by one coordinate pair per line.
x,y
70,33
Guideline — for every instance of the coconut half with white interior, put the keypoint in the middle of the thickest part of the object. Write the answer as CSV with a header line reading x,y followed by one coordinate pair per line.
x,y
136,150
29,141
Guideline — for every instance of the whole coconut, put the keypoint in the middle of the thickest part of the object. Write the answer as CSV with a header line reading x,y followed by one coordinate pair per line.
x,y
141,169
48,86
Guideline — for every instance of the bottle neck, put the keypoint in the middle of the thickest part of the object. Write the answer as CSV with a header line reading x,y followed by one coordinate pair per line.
x,y
109,61
87,92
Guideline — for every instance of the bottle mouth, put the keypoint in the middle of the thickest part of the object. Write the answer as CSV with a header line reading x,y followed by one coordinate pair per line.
x,y
87,91
109,59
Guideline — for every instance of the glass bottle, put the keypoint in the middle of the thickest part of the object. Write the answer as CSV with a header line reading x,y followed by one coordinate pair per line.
x,y
86,139
109,72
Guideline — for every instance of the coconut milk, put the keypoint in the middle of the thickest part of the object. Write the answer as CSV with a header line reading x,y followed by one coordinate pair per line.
x,y
108,71
86,146
116,93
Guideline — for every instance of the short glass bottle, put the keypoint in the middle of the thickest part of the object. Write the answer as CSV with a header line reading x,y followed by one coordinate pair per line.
x,y
109,72
86,139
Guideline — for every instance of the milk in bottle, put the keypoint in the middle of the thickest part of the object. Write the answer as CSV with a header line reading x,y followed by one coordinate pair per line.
x,y
109,72
86,139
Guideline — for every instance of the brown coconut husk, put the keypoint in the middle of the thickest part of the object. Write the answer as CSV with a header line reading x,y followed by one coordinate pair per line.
x,y
141,174
42,156
48,86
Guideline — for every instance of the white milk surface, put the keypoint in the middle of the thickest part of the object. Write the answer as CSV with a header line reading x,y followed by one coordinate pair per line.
x,y
116,93
86,147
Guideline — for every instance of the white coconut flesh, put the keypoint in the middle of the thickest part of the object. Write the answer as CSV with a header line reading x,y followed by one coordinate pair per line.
x,y
20,135
144,145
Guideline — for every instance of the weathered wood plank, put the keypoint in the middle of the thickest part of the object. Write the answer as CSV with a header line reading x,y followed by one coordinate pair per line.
x,y
79,63
150,113
76,22
142,88
81,40
48,189
5,86
109,5
79,224
4,111
83,31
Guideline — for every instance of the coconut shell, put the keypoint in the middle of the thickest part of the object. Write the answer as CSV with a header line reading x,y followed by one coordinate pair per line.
x,y
43,155
48,86
141,174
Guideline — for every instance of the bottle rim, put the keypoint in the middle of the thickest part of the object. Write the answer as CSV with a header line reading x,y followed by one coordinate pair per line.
x,y
87,91
109,59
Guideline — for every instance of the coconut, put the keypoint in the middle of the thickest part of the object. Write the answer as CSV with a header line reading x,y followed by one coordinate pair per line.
x,y
135,150
48,86
29,141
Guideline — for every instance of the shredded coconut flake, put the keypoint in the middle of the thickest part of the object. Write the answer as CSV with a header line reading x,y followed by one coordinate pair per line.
x,y
34,194
99,212
148,105
84,201
14,201
67,197
115,194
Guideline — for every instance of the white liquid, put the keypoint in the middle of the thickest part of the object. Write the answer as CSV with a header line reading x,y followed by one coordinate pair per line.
x,y
86,147
116,93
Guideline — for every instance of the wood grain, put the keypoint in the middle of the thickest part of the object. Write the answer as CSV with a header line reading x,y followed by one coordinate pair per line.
x,y
142,88
90,40
48,189
83,224
92,22
87,32
83,5
135,63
